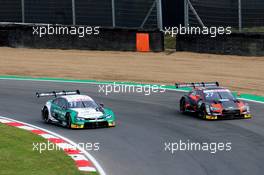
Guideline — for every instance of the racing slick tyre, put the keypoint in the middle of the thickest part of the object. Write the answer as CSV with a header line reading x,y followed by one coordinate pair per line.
x,y
45,115
202,112
69,121
182,105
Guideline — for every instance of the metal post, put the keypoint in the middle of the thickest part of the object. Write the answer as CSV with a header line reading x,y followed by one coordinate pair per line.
x,y
148,14
186,13
23,10
73,13
239,16
113,14
159,14
195,13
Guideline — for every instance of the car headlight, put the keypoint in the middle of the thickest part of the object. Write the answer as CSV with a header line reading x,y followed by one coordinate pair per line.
x,y
214,108
246,108
108,116
80,119
207,108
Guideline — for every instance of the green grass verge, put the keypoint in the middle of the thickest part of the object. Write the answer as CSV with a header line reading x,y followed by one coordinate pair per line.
x,y
18,158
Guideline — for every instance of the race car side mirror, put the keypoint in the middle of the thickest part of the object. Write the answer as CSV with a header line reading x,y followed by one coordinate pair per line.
x,y
102,105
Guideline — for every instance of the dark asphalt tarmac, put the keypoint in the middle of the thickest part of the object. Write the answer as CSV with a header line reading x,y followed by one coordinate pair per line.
x,y
145,123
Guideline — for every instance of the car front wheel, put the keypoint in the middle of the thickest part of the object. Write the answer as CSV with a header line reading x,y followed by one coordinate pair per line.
x,y
182,106
45,115
202,112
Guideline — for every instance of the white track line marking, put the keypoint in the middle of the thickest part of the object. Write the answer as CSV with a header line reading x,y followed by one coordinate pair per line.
x,y
65,146
96,83
48,136
86,168
78,157
4,121
251,100
26,128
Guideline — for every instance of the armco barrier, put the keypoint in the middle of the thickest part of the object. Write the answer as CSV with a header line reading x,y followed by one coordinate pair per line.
x,y
18,35
247,44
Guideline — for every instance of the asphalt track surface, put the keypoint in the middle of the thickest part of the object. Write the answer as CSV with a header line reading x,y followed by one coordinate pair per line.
x,y
145,123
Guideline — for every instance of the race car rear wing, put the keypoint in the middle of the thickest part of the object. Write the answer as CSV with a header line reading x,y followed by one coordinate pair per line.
x,y
55,94
194,85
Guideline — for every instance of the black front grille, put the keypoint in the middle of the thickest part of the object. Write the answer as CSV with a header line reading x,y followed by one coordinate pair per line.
x,y
231,114
92,119
96,124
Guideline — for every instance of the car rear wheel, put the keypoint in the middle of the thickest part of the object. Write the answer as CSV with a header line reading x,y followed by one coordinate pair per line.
x,y
45,115
69,121
183,106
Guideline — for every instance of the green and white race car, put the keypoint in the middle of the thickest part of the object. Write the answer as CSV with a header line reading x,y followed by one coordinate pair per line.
x,y
72,110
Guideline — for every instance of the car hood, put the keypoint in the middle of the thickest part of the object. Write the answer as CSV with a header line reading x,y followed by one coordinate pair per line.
x,y
229,104
88,112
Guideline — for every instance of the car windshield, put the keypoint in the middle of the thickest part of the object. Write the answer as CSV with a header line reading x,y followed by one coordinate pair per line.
x,y
83,104
212,95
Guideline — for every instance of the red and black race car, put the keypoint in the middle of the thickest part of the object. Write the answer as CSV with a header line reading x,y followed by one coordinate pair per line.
x,y
211,102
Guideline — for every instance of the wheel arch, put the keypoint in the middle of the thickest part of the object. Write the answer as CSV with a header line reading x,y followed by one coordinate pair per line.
x,y
185,97
72,114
